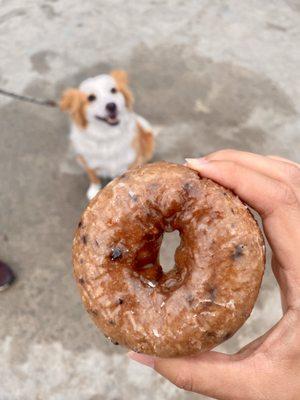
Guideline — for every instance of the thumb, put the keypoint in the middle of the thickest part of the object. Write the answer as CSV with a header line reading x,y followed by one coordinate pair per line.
x,y
212,374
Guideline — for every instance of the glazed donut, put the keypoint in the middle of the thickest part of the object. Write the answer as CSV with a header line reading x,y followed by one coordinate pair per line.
x,y
219,264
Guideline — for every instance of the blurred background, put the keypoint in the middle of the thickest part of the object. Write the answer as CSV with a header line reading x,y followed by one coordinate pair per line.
x,y
209,74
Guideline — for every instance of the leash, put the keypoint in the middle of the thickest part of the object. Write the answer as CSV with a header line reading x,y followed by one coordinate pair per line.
x,y
28,99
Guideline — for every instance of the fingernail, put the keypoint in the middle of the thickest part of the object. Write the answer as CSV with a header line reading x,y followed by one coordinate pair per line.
x,y
141,358
196,161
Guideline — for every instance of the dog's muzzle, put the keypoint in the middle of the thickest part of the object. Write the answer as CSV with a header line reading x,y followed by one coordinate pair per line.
x,y
110,119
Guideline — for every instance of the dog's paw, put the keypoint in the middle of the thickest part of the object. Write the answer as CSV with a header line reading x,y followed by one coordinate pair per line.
x,y
93,190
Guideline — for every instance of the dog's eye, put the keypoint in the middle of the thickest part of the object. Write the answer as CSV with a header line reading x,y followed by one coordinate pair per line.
x,y
91,97
113,90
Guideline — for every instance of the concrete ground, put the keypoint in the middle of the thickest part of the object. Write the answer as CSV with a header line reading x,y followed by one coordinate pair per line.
x,y
210,73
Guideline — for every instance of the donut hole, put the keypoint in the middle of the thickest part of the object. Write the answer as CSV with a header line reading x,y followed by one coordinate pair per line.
x,y
170,242
155,262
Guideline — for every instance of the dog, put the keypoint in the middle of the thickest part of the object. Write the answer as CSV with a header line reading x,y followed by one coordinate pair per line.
x,y
107,137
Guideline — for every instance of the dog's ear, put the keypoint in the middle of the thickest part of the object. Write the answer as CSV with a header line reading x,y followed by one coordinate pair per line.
x,y
121,78
74,102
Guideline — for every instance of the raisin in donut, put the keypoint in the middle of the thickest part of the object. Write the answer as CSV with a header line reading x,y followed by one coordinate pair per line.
x,y
219,264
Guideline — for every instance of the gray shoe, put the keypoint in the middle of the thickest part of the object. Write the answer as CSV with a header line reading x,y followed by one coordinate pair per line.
x,y
6,276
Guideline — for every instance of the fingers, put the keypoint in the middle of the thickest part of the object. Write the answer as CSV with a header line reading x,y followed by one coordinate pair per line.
x,y
275,167
212,374
277,158
277,203
249,184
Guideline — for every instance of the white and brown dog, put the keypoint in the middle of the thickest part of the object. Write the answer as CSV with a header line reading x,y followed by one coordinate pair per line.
x,y
106,135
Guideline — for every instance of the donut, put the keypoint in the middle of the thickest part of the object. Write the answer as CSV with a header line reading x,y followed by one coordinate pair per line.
x,y
208,294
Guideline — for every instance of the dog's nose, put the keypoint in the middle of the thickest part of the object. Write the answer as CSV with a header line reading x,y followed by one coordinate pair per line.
x,y
111,107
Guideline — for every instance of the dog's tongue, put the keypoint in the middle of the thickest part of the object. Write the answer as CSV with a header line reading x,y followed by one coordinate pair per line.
x,y
112,117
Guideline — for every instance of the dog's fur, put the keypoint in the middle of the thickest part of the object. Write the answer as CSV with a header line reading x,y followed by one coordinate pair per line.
x,y
107,136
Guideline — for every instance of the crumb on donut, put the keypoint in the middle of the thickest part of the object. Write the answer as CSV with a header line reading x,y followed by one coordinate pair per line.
x,y
116,253
228,336
133,196
137,351
148,282
84,239
123,176
238,252
187,186
190,298
111,340
170,283
210,334
213,294
92,311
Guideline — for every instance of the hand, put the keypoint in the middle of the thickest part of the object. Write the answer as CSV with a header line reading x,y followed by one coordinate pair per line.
x,y
269,367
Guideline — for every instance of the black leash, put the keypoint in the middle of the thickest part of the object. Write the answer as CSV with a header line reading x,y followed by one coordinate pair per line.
x,y
28,99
